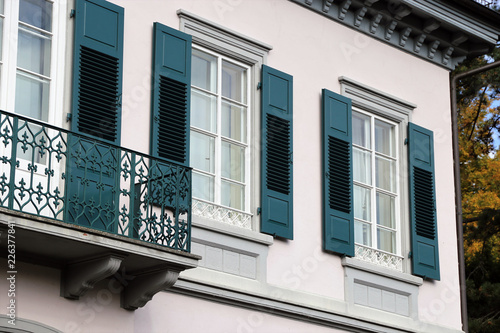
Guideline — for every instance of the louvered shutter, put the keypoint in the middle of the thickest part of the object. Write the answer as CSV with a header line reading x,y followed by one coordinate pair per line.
x,y
276,158
424,240
97,68
171,94
338,216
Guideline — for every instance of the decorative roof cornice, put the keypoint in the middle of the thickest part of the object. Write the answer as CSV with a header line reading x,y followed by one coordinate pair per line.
x,y
440,31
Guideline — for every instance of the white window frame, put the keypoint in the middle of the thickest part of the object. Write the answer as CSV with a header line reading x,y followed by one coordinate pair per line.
x,y
373,187
252,53
398,111
218,138
57,61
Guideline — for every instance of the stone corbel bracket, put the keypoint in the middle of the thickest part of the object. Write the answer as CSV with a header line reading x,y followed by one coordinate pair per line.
x,y
79,277
144,286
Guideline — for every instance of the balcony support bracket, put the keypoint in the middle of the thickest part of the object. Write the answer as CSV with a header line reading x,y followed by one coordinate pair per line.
x,y
81,276
144,286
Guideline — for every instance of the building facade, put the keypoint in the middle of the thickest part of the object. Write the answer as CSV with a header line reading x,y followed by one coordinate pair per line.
x,y
231,165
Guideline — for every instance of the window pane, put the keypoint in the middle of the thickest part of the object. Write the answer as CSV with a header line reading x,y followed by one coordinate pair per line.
x,y
386,240
233,195
203,111
32,97
362,203
234,121
34,52
204,70
362,166
202,152
384,138
385,171
1,7
362,233
386,210
203,187
361,130
37,13
233,162
234,82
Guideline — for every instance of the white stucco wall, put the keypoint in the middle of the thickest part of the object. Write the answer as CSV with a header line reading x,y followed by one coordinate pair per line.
x,y
316,52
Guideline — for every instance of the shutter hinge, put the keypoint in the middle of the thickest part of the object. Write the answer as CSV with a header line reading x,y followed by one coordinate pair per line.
x,y
259,210
72,13
406,141
69,116
259,85
410,255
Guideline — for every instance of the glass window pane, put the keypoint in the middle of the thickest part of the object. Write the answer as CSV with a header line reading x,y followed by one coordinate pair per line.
x,y
204,70
233,162
234,121
233,195
384,138
34,52
361,130
202,152
1,7
362,233
32,97
234,83
386,240
203,186
385,173
362,166
37,13
203,111
362,203
386,210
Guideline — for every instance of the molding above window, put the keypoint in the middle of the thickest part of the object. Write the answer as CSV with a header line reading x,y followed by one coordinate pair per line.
x,y
373,100
223,40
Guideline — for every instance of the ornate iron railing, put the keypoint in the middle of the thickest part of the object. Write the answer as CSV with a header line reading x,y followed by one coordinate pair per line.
x,y
54,173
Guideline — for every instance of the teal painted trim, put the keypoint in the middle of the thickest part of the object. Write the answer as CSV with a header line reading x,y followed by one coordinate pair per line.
x,y
338,212
276,158
423,219
170,116
98,45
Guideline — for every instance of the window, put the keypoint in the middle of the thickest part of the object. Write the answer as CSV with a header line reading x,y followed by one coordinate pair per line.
x,y
379,194
220,127
375,175
28,66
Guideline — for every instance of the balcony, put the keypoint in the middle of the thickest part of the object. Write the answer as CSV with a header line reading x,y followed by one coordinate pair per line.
x,y
90,208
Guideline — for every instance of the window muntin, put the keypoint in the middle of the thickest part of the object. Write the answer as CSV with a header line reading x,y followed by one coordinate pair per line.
x,y
219,129
376,190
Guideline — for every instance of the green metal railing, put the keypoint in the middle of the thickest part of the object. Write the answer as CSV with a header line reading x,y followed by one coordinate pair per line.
x,y
77,179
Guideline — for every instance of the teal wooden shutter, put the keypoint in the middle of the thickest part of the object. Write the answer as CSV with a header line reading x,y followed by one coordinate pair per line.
x,y
424,240
97,68
276,159
338,216
171,94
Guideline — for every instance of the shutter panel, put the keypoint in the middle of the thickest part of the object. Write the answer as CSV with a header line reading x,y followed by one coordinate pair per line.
x,y
338,215
276,159
424,241
97,68
171,94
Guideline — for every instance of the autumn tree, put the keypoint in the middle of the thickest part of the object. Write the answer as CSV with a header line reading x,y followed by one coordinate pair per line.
x,y
478,104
